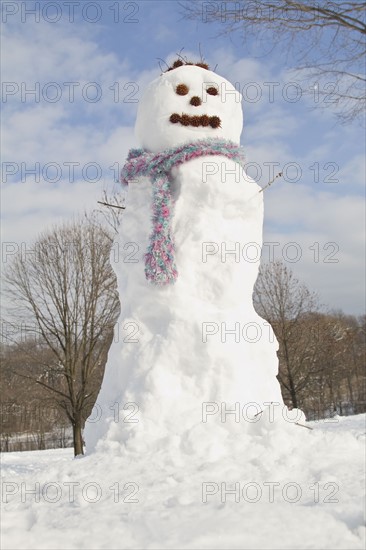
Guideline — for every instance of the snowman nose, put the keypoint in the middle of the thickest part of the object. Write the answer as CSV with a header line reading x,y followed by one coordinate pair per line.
x,y
196,101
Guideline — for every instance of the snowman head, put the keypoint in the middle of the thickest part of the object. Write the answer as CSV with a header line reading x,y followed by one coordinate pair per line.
x,y
186,104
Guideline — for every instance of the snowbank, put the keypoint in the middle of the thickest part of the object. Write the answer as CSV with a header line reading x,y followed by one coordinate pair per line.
x,y
290,487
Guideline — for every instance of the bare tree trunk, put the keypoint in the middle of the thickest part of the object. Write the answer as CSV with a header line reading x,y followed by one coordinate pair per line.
x,y
293,393
77,436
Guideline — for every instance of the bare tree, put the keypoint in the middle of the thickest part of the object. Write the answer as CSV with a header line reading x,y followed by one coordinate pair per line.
x,y
291,308
326,40
28,410
339,383
67,286
321,355
348,351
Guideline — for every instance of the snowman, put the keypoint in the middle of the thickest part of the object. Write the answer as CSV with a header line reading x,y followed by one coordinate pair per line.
x,y
191,362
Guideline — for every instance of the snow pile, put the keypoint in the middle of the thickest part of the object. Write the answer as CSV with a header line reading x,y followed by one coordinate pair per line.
x,y
289,487
183,350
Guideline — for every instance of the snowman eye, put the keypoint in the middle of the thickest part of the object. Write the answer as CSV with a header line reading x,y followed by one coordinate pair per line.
x,y
212,91
181,89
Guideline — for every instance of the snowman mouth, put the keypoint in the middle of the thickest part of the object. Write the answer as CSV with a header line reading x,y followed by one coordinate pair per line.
x,y
195,120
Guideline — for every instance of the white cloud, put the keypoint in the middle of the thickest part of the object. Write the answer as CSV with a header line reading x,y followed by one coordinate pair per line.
x,y
353,172
40,132
329,232
32,207
42,52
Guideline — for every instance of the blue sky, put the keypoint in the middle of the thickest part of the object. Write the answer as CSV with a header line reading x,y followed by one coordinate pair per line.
x,y
88,78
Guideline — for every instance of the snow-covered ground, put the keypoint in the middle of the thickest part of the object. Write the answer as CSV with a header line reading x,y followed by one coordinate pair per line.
x,y
291,488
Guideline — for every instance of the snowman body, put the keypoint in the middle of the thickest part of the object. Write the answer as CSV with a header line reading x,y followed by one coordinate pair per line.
x,y
184,352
